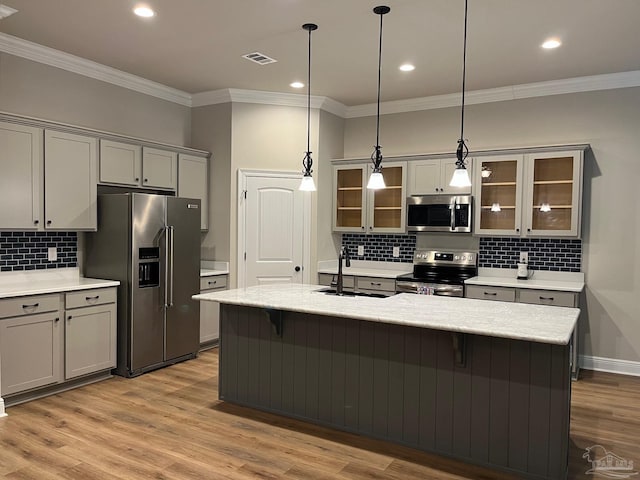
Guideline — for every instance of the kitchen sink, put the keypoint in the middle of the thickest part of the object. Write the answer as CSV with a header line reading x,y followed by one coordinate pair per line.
x,y
332,291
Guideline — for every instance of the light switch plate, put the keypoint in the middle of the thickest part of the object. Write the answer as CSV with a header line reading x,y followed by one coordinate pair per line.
x,y
52,254
524,257
360,250
396,252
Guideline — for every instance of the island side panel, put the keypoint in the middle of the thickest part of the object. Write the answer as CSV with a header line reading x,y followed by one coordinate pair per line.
x,y
360,371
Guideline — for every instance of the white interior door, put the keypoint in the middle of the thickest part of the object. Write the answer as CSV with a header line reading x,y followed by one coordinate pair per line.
x,y
274,230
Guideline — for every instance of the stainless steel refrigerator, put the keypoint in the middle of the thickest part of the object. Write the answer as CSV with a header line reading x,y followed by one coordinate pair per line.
x,y
151,244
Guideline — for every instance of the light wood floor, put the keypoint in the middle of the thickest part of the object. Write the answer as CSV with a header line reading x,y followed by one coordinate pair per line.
x,y
169,424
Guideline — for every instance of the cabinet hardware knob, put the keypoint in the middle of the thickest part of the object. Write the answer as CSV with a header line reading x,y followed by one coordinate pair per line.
x,y
57,319
146,180
69,317
48,222
517,229
297,269
362,227
36,222
137,179
35,305
528,229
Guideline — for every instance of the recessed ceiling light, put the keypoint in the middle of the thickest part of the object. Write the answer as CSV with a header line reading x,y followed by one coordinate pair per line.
x,y
551,43
407,67
143,11
296,84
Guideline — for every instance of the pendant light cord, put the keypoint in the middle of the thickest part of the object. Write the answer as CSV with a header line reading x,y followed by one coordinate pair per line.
x,y
464,69
309,97
379,81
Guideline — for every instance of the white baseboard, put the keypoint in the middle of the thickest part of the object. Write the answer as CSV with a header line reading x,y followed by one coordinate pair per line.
x,y
611,365
2,412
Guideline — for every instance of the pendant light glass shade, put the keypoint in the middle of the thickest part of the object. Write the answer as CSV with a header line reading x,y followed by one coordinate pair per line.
x,y
460,176
307,184
376,180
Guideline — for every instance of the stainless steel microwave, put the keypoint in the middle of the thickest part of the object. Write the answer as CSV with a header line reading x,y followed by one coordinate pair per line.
x,y
439,213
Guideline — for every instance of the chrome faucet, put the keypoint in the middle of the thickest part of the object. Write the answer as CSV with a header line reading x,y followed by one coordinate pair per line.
x,y
344,254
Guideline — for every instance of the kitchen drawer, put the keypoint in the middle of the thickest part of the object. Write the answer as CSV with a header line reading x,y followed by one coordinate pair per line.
x,y
348,281
376,284
14,307
88,298
548,297
502,294
209,283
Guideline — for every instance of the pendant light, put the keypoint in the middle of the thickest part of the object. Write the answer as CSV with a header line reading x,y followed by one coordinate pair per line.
x,y
376,180
307,183
460,176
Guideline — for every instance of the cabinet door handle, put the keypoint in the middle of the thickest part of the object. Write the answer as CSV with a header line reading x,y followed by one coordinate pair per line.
x,y
547,298
92,298
376,284
57,319
146,180
69,317
362,227
493,294
137,179
31,306
48,222
36,222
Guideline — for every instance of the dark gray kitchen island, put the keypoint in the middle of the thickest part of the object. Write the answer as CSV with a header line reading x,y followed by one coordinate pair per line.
x,y
484,382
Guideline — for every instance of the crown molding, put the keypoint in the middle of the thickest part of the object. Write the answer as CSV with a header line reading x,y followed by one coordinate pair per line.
x,y
65,61
237,95
55,58
515,92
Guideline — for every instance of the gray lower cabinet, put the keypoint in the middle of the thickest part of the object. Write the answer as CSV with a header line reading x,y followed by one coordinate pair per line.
x,y
210,311
47,340
374,285
90,332
31,336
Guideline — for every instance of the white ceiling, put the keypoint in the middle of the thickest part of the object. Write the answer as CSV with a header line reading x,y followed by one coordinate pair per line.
x,y
196,45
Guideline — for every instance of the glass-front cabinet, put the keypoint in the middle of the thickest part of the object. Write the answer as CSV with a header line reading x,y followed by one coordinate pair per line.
x,y
498,194
533,194
357,209
554,193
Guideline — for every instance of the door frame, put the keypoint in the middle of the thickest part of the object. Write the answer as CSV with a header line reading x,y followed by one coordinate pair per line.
x,y
243,176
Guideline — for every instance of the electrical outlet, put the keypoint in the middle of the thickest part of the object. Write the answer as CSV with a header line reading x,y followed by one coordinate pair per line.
x,y
524,257
52,254
361,250
396,252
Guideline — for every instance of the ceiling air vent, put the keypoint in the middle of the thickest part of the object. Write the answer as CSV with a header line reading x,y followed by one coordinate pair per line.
x,y
259,58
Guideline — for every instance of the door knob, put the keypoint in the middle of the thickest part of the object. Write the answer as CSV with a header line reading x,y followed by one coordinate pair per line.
x,y
297,269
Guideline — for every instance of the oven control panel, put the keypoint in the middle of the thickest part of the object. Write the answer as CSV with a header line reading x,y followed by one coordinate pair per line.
x,y
437,257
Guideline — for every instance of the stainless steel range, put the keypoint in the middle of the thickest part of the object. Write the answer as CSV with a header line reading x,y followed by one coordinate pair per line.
x,y
439,272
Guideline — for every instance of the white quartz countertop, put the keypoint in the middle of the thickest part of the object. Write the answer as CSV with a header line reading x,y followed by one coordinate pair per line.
x,y
566,282
213,268
18,284
537,323
360,268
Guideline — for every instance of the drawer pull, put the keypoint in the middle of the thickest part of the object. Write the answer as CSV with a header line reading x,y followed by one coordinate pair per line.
x,y
493,294
35,305
57,319
92,298
376,284
213,283
547,298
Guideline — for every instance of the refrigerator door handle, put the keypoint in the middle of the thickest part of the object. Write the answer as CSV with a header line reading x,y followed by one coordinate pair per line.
x,y
167,247
171,234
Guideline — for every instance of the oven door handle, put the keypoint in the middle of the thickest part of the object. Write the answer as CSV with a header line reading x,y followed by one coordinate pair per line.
x,y
449,291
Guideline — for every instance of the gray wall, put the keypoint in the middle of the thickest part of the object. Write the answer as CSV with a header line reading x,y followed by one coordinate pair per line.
x,y
211,131
609,121
37,90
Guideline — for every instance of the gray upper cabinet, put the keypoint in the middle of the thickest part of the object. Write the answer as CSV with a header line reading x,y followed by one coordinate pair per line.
x,y
70,170
20,178
159,168
432,177
120,163
192,183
